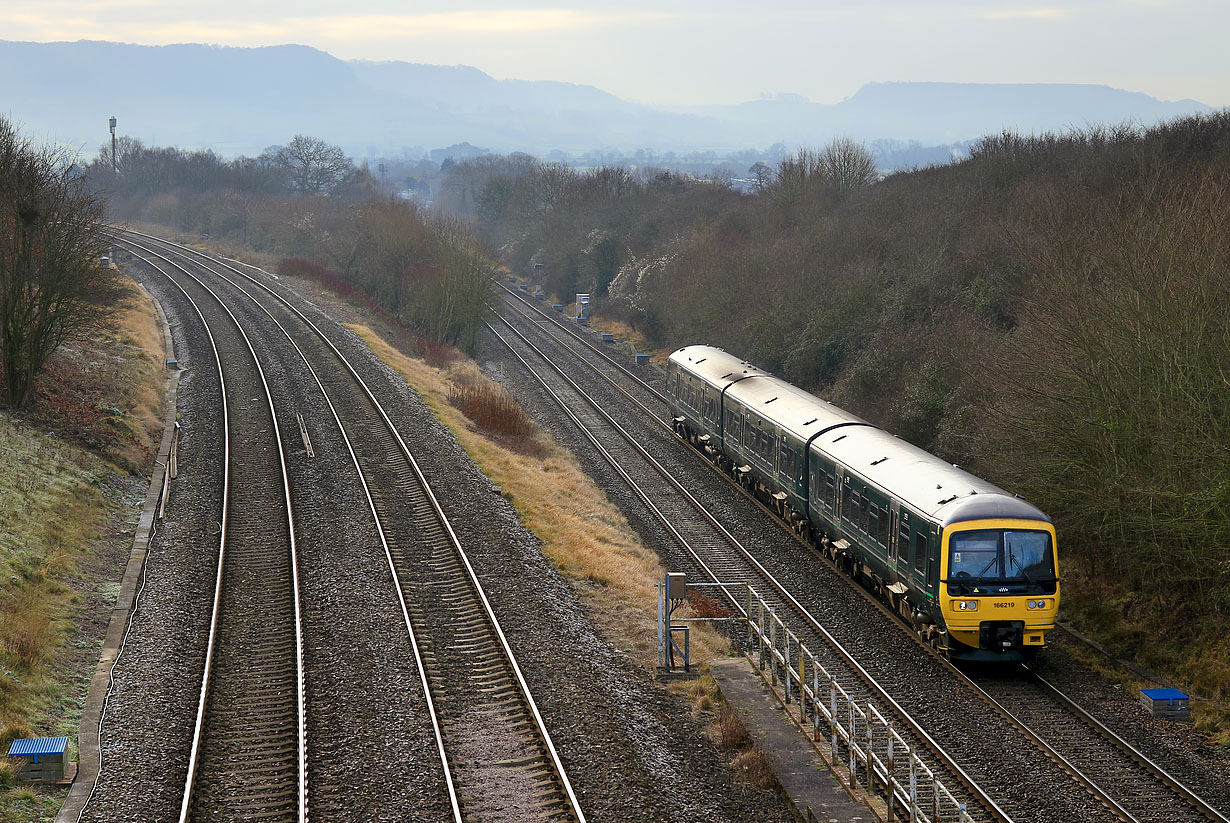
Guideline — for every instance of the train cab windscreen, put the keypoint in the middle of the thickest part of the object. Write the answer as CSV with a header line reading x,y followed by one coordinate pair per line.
x,y
1000,561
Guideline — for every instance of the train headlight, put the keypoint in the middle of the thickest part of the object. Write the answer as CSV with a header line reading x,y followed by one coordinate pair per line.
x,y
1038,604
966,605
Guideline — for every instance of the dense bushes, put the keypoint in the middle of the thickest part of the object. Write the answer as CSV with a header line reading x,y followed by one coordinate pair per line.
x,y
1050,312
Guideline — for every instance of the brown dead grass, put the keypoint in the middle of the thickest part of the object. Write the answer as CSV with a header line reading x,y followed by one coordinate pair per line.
x,y
583,533
492,408
751,765
104,392
27,635
97,414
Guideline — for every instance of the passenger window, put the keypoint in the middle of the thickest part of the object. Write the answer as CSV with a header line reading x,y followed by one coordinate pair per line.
x,y
920,552
873,523
830,491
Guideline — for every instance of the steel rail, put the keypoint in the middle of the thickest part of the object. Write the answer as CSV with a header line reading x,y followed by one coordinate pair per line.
x,y
1186,794
454,801
506,649
948,762
1183,792
193,760
580,338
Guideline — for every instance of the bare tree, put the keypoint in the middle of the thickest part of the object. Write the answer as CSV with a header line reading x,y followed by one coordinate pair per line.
x,y
848,165
796,174
51,237
314,166
762,174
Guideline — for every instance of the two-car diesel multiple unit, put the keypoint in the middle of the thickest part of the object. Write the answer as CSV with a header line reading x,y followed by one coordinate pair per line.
x,y
970,566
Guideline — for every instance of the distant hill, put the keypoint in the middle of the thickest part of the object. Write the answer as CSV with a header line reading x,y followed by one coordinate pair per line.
x,y
239,101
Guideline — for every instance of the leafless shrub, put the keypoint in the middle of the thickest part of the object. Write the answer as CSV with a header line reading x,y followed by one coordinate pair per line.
x,y
492,409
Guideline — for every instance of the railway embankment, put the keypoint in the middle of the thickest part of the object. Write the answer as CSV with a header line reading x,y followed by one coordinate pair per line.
x,y
73,476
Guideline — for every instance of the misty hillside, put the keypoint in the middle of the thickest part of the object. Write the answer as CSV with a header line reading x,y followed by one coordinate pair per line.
x,y
239,101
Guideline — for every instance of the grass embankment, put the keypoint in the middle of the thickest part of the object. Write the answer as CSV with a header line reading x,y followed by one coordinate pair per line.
x,y
585,536
96,414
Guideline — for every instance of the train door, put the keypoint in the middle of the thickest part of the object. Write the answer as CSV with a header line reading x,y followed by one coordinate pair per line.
x,y
932,542
842,483
894,516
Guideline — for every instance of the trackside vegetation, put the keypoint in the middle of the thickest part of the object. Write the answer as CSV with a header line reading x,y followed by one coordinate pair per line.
x,y
1050,313
51,238
69,482
307,201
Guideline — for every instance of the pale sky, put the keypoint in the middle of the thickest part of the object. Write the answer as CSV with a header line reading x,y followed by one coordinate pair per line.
x,y
704,51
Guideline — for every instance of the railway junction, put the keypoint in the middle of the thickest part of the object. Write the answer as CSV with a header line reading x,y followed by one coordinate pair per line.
x,y
341,618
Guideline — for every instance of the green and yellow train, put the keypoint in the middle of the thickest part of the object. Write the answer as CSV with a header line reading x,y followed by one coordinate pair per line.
x,y
970,566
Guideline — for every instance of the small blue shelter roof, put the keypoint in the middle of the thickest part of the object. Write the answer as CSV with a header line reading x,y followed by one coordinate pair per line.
x,y
1163,694
34,747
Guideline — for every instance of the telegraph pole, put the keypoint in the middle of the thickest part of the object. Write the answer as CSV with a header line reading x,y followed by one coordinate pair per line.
x,y
114,161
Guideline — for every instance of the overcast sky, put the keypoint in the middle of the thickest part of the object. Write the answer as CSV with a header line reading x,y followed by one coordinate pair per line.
x,y
704,51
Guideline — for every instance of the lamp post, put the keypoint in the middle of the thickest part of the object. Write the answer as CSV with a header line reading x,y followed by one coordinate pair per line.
x,y
114,162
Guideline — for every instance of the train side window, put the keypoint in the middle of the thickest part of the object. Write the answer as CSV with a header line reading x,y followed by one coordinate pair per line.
x,y
830,491
847,503
903,542
920,552
873,522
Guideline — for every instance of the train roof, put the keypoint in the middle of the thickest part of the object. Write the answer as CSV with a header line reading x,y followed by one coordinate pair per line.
x,y
799,412
923,481
714,365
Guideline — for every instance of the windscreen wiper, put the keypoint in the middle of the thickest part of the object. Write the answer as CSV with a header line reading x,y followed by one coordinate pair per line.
x,y
1012,559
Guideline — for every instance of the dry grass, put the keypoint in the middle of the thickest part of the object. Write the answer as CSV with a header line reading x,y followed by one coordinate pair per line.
x,y
492,409
27,635
97,414
729,729
624,333
105,391
583,533
752,766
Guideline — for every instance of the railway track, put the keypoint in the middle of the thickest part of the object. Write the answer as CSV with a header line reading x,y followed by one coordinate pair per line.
x,y
496,755
247,758
717,557
1126,783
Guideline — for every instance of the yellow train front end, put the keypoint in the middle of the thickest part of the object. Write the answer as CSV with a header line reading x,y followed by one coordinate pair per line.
x,y
999,591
